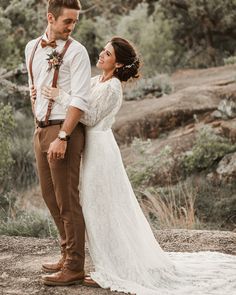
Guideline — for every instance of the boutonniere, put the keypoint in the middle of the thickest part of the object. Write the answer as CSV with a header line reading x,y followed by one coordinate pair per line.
x,y
54,60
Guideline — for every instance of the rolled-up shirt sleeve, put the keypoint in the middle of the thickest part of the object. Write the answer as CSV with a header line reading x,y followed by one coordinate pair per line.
x,y
80,80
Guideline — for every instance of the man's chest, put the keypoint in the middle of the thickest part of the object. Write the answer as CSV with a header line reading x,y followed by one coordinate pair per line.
x,y
42,68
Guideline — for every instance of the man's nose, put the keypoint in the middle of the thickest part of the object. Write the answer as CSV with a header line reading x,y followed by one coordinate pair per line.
x,y
71,27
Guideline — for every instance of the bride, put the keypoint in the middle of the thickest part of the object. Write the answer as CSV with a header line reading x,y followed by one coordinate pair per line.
x,y
124,251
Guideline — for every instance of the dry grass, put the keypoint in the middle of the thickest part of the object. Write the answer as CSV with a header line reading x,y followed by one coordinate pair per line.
x,y
173,207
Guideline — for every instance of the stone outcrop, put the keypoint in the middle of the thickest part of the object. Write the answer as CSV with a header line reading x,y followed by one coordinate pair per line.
x,y
150,118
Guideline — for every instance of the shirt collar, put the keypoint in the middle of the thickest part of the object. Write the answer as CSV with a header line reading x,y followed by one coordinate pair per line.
x,y
60,42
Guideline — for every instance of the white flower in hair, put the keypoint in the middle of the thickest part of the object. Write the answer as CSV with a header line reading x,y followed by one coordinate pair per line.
x,y
133,63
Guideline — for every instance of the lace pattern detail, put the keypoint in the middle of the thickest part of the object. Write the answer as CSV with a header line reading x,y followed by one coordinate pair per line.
x,y
105,101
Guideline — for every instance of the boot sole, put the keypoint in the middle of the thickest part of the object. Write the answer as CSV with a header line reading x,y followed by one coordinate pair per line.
x,y
51,283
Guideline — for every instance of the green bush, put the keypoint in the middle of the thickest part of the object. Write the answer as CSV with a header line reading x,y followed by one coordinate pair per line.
x,y
86,34
202,29
230,60
155,86
154,41
215,203
6,130
208,149
28,224
24,169
144,171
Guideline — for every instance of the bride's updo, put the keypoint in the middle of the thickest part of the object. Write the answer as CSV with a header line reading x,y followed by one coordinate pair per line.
x,y
126,55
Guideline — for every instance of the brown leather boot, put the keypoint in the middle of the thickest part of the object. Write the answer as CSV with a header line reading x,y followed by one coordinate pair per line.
x,y
65,277
54,267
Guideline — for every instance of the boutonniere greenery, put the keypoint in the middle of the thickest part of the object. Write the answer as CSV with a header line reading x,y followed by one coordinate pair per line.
x,y
54,60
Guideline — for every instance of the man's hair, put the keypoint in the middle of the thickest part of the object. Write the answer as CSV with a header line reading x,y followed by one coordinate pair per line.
x,y
55,6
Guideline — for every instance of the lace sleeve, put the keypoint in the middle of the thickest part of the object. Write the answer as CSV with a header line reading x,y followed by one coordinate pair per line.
x,y
105,101
63,99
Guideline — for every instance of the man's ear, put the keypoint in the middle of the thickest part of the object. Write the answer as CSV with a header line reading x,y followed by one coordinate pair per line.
x,y
119,65
50,17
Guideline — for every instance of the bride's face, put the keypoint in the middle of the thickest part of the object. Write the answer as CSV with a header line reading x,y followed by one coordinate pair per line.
x,y
107,59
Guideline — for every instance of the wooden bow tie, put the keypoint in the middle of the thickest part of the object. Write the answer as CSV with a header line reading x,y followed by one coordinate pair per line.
x,y
52,43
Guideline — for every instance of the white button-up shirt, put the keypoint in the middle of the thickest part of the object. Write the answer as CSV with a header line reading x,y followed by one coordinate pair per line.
x,y
74,77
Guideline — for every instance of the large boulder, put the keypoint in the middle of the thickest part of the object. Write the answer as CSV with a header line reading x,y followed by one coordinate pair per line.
x,y
226,169
151,117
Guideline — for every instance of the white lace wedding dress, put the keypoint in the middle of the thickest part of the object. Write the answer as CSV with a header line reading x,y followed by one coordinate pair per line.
x,y
123,248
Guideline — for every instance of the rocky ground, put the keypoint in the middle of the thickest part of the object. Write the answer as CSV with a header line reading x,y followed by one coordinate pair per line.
x,y
21,258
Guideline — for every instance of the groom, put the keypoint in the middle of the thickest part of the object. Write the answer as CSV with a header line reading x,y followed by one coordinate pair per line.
x,y
59,137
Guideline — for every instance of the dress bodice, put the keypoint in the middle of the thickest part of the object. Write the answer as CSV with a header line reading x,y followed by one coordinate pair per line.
x,y
105,101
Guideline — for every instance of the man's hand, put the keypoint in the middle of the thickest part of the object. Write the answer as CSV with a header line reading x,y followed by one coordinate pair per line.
x,y
33,94
57,149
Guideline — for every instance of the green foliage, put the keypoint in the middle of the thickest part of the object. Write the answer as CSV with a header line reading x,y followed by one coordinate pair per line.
x,y
20,21
27,224
205,30
215,203
230,60
207,150
155,86
7,125
6,128
154,41
168,34
144,170
23,170
86,34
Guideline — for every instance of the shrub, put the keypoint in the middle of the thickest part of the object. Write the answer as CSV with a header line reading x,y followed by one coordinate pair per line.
x,y
215,203
156,86
87,35
23,169
208,149
230,60
154,41
145,169
6,130
28,224
203,30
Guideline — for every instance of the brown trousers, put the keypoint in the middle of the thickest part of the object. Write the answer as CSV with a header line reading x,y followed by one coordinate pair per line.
x,y
59,180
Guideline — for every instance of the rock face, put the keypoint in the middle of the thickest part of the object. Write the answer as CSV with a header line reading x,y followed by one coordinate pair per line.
x,y
150,118
226,170
228,129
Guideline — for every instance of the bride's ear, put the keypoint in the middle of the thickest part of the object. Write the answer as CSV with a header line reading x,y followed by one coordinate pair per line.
x,y
119,65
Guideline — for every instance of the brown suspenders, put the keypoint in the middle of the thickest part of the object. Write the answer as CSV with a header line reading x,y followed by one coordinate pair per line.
x,y
55,75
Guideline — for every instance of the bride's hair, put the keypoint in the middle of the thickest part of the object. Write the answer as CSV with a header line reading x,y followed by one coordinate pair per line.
x,y
126,55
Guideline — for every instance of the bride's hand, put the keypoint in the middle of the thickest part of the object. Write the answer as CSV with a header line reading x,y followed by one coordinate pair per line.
x,y
49,92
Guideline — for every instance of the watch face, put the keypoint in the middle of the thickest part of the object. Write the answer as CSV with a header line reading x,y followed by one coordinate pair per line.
x,y
62,134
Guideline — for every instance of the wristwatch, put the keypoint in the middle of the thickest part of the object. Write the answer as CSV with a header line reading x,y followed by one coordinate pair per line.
x,y
63,136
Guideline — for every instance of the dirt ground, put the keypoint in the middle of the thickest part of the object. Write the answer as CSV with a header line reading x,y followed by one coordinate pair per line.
x,y
21,259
